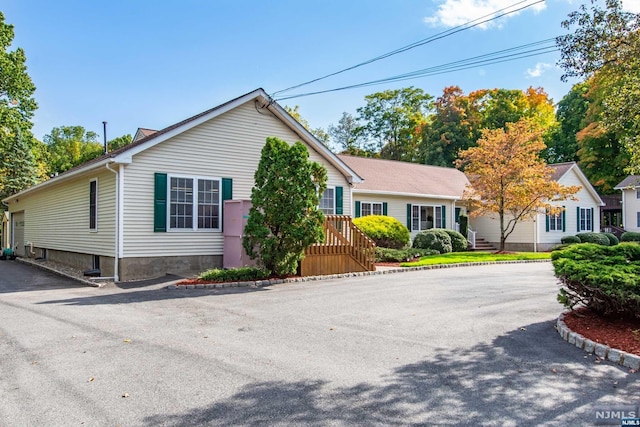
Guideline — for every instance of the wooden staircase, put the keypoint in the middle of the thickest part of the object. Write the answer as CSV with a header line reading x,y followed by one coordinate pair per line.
x,y
346,249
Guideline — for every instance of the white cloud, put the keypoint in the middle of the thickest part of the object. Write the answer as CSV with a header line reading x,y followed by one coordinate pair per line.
x,y
541,67
452,13
632,6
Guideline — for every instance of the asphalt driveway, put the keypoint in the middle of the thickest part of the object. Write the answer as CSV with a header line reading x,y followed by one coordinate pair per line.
x,y
460,346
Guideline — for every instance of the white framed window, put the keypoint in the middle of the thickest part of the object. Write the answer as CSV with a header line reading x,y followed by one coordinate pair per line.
x,y
328,201
555,222
370,208
194,203
585,216
425,217
93,205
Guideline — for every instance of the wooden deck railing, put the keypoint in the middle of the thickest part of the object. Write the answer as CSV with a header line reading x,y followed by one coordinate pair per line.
x,y
345,249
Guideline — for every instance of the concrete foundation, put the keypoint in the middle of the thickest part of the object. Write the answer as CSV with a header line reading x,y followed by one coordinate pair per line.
x,y
147,268
76,260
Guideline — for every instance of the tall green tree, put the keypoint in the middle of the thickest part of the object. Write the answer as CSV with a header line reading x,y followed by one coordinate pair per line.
x,y
70,146
285,217
571,114
320,134
119,142
17,106
605,41
449,131
392,121
346,136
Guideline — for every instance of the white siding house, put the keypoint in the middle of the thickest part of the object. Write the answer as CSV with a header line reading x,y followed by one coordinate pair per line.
x,y
419,196
545,231
156,206
630,188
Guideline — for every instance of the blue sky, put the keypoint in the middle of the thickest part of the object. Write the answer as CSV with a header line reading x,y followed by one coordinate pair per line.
x,y
152,63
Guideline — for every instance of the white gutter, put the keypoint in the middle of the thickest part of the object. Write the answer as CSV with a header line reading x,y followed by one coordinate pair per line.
x,y
420,195
116,248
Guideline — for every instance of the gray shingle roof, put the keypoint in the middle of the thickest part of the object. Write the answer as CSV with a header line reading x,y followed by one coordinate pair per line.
x,y
632,181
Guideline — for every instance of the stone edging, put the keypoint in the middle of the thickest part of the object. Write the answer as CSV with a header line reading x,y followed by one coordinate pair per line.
x,y
620,357
262,283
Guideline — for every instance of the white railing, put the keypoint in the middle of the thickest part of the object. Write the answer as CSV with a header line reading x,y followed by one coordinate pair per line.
x,y
471,237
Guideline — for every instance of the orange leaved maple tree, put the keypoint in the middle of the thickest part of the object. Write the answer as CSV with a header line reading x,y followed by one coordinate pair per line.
x,y
508,178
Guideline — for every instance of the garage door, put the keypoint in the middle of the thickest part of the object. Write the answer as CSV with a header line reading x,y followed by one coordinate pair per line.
x,y
18,232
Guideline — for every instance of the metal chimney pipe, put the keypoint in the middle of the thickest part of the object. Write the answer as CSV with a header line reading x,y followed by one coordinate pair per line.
x,y
104,135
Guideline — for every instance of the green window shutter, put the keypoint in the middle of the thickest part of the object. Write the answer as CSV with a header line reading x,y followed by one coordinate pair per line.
x,y
593,227
384,208
160,203
357,209
547,219
409,216
339,210
444,216
227,189
564,219
227,194
578,218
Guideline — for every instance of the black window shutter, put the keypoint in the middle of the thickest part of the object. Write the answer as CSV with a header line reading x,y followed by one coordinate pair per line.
x,y
160,203
339,210
357,209
385,207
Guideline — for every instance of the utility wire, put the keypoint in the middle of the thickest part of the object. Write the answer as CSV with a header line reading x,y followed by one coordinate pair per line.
x,y
519,52
468,25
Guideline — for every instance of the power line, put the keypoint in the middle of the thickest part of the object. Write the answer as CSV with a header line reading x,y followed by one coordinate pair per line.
x,y
468,25
511,54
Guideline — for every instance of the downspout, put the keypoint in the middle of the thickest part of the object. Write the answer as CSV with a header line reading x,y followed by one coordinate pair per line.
x,y
535,231
116,257
5,233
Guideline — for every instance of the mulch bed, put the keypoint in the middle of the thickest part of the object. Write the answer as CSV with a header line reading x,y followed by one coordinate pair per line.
x,y
618,333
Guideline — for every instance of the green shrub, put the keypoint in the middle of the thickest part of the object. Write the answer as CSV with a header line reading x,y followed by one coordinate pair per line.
x,y
613,240
590,237
630,236
605,279
241,274
436,239
570,239
458,241
386,231
400,255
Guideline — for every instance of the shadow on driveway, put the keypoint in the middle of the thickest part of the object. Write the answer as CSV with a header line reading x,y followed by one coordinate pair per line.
x,y
528,376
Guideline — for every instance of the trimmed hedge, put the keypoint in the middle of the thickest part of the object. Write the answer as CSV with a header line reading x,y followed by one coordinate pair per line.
x,y
435,239
630,236
605,279
613,240
570,239
458,241
235,274
590,237
464,224
401,255
386,231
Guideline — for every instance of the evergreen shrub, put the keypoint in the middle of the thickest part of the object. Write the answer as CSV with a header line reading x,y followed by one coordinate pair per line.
x,y
435,239
604,279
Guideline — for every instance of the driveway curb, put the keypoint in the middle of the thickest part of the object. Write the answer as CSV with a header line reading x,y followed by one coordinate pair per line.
x,y
269,282
620,357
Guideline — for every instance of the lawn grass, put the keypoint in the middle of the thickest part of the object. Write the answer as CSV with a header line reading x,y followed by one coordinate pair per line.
x,y
460,257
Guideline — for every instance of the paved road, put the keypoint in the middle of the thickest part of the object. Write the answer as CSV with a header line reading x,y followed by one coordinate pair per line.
x,y
463,346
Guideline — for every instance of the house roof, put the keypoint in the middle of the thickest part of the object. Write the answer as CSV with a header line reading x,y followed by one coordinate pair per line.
x,y
124,155
402,178
632,181
561,169
143,133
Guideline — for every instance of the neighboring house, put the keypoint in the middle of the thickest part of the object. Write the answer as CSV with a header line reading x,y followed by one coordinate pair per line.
x,y
630,188
156,206
419,196
545,231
